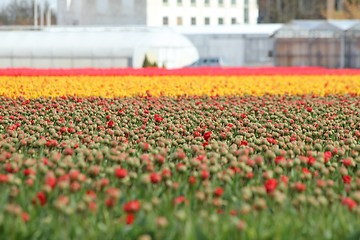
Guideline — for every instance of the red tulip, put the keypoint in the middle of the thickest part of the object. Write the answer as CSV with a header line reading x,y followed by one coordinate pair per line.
x,y
180,200
110,124
219,192
327,156
155,178
132,206
4,178
25,217
204,174
120,173
347,162
41,198
130,218
270,185
349,203
192,180
207,136
346,179
300,187
158,118
50,181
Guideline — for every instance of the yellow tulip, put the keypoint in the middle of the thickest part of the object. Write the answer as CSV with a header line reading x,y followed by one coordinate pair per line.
x,y
128,86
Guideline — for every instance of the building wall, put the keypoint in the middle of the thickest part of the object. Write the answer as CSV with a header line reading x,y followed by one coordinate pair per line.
x,y
102,12
195,12
154,12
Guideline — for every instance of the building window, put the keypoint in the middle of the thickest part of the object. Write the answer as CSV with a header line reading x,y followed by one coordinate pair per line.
x,y
207,3
305,6
193,21
233,21
338,5
193,2
179,21
246,15
207,21
221,3
179,2
233,2
221,21
165,21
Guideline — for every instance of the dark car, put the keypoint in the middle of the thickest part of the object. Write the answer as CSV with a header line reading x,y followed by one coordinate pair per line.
x,y
208,62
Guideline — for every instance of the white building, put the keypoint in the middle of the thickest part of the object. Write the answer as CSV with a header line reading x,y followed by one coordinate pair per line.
x,y
157,12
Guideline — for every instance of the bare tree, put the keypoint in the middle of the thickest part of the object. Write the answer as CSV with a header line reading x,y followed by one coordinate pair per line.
x,y
21,13
346,9
283,11
17,13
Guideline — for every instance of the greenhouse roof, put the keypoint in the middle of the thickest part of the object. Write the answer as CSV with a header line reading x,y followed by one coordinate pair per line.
x,y
355,27
344,24
314,28
87,42
258,29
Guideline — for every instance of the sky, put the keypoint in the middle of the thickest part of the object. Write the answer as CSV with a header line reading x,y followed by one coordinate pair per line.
x,y
5,2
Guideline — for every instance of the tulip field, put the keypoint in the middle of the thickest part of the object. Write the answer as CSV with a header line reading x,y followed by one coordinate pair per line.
x,y
266,153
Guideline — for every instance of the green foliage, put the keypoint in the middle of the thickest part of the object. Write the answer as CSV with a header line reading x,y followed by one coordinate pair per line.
x,y
69,169
147,63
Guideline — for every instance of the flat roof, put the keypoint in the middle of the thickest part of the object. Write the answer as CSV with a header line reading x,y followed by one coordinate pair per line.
x,y
261,29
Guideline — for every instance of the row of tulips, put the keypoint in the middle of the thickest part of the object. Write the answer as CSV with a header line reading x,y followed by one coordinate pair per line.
x,y
191,167
203,71
175,86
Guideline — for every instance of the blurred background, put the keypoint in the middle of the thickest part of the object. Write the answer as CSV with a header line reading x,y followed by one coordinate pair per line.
x,y
179,33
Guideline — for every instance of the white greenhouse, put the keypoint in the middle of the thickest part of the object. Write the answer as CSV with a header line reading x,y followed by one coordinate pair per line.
x,y
236,45
94,47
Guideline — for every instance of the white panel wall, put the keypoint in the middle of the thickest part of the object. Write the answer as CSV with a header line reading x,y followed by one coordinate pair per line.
x,y
230,48
61,63
21,62
235,49
26,62
41,63
81,62
121,62
5,63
